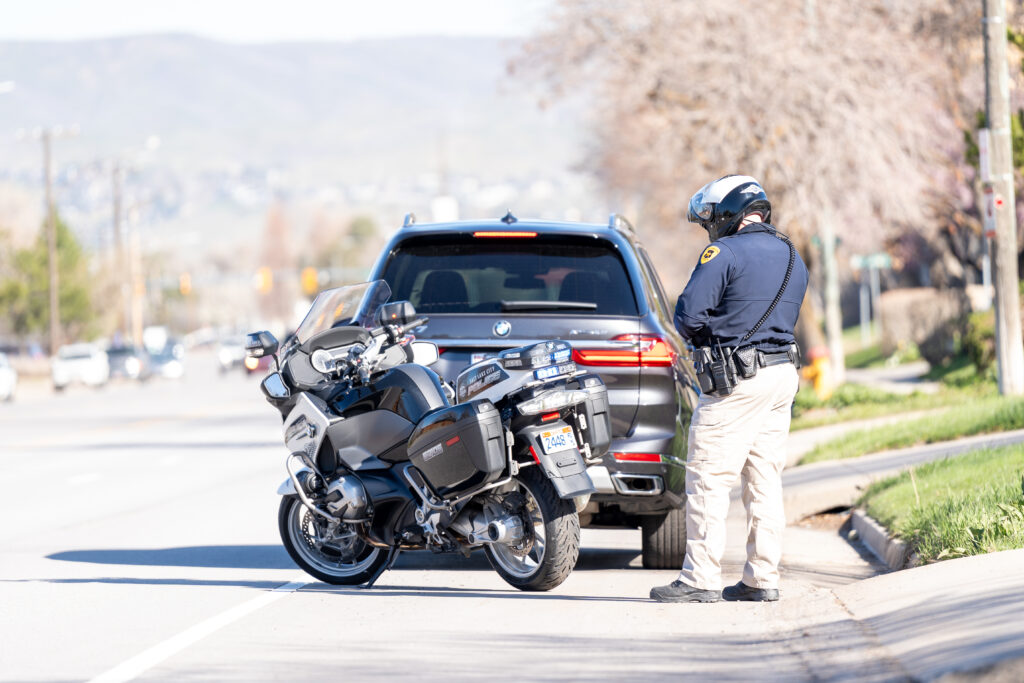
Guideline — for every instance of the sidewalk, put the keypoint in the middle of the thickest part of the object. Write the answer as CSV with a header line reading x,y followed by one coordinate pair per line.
x,y
808,489
842,618
899,379
956,615
803,441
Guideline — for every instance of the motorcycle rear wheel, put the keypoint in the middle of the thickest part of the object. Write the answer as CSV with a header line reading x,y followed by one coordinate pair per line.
x,y
556,538
348,564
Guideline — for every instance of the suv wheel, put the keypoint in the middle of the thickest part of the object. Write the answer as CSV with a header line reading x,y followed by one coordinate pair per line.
x,y
664,540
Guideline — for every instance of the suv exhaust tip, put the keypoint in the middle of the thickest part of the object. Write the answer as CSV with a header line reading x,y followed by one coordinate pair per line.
x,y
638,484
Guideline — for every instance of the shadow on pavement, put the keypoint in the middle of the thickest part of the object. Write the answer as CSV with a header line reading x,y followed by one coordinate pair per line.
x,y
217,556
275,557
172,445
385,591
136,581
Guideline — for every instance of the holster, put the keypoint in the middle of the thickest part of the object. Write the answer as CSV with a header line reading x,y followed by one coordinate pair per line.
x,y
794,354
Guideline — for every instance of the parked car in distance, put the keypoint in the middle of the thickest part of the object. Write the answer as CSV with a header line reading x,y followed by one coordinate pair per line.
x,y
128,362
80,363
231,353
169,362
487,286
8,379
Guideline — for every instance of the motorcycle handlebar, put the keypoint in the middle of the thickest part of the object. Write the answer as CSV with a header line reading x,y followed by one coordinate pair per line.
x,y
413,325
396,332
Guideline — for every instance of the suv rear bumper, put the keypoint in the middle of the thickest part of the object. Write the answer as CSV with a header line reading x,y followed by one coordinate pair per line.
x,y
639,488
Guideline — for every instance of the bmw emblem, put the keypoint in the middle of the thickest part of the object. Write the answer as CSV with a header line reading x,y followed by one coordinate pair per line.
x,y
502,328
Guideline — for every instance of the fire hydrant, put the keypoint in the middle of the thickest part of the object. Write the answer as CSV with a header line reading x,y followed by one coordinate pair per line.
x,y
819,372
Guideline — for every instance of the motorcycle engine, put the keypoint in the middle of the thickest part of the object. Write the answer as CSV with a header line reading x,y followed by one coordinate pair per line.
x,y
346,499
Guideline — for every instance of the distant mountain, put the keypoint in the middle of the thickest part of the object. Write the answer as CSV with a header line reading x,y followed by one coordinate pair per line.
x,y
350,112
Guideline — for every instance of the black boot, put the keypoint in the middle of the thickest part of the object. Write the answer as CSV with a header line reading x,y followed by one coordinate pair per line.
x,y
743,592
677,591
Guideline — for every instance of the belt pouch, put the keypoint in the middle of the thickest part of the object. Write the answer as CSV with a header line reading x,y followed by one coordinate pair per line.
x,y
746,361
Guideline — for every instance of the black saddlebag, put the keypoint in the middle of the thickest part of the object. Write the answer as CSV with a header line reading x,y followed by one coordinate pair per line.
x,y
596,426
459,448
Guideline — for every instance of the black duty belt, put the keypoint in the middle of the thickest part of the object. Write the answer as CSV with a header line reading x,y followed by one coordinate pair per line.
x,y
768,359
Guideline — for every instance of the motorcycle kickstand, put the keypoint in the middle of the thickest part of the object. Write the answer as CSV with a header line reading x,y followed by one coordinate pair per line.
x,y
392,556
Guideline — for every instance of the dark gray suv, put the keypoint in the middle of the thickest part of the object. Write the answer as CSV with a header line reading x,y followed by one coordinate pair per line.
x,y
493,285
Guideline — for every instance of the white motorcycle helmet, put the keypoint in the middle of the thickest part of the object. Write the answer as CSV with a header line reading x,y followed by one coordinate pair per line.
x,y
720,206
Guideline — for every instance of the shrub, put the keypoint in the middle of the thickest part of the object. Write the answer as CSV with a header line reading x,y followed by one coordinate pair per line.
x,y
979,340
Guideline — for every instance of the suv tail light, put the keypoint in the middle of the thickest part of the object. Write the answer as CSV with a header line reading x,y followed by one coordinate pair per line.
x,y
637,457
646,351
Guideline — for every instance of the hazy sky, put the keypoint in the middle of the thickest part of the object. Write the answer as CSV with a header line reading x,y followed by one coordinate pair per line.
x,y
270,20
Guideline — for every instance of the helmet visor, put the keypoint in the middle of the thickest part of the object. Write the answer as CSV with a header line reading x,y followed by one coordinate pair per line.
x,y
700,210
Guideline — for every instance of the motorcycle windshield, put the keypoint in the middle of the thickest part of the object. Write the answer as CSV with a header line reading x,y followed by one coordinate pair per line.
x,y
351,305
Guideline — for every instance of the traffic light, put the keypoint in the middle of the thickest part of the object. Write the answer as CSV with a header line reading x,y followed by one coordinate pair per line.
x,y
310,280
264,280
185,284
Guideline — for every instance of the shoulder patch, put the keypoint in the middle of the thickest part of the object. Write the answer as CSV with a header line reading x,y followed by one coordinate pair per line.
x,y
709,253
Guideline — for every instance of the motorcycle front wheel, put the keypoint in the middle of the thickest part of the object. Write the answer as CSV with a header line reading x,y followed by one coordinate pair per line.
x,y
552,541
343,559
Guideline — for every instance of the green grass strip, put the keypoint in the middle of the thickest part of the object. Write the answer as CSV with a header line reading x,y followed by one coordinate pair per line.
x,y
858,402
984,416
965,505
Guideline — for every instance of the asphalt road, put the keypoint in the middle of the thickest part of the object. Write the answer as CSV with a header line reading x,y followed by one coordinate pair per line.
x,y
139,540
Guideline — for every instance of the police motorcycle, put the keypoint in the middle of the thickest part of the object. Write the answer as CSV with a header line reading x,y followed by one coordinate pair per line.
x,y
383,459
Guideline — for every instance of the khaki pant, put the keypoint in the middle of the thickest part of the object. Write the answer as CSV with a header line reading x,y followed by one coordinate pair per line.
x,y
740,435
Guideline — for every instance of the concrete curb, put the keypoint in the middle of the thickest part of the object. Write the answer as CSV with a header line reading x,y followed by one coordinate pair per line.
x,y
891,551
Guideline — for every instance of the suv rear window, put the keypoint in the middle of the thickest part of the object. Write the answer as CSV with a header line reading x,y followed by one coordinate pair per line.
x,y
470,275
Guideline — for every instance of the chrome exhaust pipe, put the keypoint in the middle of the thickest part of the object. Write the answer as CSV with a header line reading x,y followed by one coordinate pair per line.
x,y
508,530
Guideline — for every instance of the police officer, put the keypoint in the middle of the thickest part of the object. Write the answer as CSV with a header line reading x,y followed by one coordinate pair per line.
x,y
738,310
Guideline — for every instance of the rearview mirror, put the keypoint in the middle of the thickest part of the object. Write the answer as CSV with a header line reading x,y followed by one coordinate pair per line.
x,y
274,386
396,313
260,344
424,352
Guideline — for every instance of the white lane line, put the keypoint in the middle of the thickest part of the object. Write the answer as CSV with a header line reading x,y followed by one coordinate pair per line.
x,y
147,659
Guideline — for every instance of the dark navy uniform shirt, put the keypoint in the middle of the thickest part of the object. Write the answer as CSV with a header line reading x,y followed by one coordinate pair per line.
x,y
734,283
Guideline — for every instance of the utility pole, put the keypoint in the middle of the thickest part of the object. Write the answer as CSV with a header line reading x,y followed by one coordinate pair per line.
x,y
51,242
127,244
138,286
121,270
47,136
833,314
115,228
1009,345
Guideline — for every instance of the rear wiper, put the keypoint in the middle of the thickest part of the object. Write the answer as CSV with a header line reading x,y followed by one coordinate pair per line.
x,y
547,305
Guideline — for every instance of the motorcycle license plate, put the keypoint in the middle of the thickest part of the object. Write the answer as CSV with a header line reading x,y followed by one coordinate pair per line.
x,y
556,440
554,371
